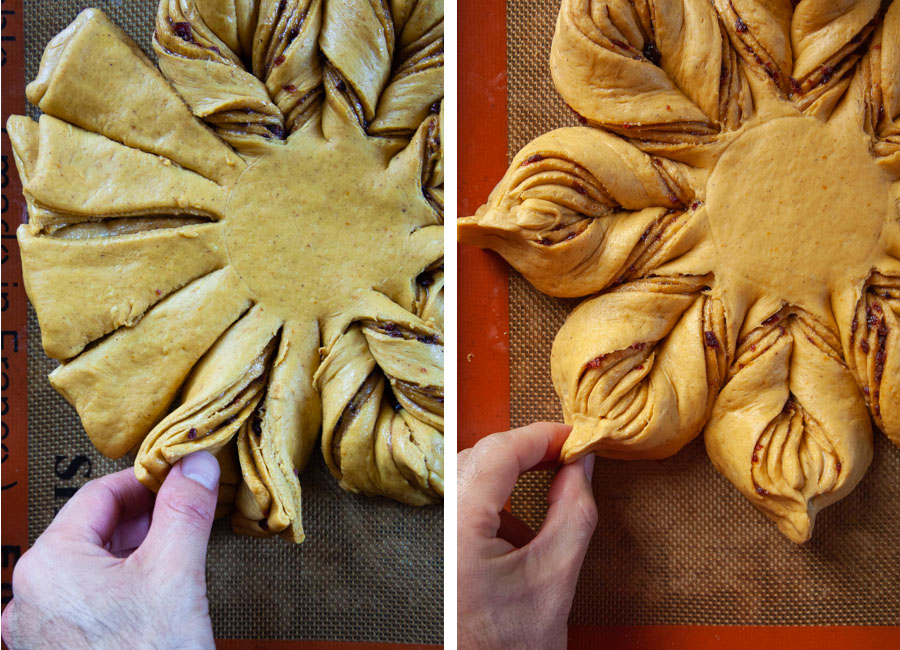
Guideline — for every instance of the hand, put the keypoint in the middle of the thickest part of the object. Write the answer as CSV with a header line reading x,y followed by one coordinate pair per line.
x,y
515,588
104,576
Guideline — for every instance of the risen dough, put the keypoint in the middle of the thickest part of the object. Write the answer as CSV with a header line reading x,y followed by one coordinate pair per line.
x,y
741,229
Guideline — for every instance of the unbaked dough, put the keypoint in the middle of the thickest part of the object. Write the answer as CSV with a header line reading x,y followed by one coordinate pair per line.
x,y
732,198
229,252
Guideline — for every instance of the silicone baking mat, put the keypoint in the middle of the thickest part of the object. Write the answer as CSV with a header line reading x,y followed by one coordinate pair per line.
x,y
370,571
677,545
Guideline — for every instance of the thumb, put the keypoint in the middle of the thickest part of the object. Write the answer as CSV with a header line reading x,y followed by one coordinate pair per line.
x,y
184,511
571,519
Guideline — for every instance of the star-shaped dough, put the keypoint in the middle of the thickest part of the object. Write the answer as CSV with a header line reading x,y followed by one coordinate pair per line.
x,y
243,248
732,199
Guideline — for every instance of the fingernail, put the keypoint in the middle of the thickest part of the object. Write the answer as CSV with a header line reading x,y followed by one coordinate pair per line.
x,y
201,467
589,466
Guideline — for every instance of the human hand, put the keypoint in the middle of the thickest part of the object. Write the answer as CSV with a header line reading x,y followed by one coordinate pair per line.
x,y
103,575
515,588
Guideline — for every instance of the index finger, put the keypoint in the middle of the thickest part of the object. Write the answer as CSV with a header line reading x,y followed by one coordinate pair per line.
x,y
95,510
497,460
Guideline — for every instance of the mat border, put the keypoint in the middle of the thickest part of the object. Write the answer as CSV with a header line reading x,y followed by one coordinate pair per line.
x,y
483,294
483,377
14,412
735,637
271,644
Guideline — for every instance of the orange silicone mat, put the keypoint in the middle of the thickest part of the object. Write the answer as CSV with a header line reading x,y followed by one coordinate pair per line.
x,y
679,559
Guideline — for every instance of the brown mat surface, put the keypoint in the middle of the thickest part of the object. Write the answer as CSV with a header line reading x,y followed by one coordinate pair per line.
x,y
676,543
370,569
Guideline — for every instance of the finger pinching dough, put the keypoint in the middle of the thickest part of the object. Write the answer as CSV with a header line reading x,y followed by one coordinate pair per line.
x,y
242,249
730,205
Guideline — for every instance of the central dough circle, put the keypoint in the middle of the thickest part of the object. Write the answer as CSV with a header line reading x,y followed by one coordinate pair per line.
x,y
313,222
796,206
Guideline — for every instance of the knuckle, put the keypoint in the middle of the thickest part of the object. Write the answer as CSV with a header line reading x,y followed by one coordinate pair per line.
x,y
188,510
9,624
97,490
490,446
463,464
467,470
30,574
586,513
31,559
96,486
473,516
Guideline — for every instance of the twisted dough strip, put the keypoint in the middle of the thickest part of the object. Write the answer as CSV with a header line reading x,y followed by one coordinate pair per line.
x,y
761,35
433,160
828,38
358,41
637,368
416,83
576,210
229,479
879,75
286,56
388,86
221,393
808,51
212,79
429,301
182,30
661,73
233,21
412,362
425,152
275,443
789,429
873,357
381,438
263,507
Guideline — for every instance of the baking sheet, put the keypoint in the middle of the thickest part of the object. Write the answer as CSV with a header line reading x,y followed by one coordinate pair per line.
x,y
677,544
370,569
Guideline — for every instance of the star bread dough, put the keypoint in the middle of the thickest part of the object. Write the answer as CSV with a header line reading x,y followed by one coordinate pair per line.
x,y
243,248
732,200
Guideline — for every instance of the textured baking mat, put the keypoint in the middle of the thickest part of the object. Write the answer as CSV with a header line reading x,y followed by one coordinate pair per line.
x,y
369,570
676,543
